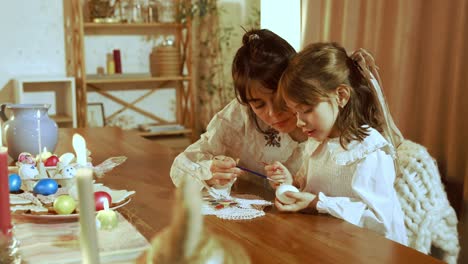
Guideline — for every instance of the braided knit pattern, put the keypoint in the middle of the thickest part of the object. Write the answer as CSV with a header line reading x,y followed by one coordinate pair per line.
x,y
429,218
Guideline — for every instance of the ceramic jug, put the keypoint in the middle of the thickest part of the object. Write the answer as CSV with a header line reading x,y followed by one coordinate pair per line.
x,y
23,127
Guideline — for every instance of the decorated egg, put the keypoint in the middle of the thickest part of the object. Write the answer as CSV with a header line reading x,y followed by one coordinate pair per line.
x,y
51,161
282,197
28,171
68,172
100,198
26,158
45,187
14,182
107,219
64,204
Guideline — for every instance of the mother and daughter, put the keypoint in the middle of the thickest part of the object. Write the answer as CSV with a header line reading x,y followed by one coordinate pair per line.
x,y
345,169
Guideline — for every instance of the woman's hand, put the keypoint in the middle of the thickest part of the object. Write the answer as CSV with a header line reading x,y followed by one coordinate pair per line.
x,y
223,171
304,200
279,173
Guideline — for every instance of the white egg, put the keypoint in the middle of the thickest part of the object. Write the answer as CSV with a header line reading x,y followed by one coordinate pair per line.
x,y
282,197
68,172
28,171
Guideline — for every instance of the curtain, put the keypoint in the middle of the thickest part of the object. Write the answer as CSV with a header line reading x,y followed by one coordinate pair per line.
x,y
421,49
214,89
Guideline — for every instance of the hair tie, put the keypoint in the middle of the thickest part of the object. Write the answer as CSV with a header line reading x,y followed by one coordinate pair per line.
x,y
253,36
366,65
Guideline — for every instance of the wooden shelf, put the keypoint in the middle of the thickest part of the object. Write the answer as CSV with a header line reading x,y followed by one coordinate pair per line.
x,y
123,28
113,79
62,118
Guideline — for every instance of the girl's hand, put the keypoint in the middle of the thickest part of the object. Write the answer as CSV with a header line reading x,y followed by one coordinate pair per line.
x,y
223,171
304,200
279,173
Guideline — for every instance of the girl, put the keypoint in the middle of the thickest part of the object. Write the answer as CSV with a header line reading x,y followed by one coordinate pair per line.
x,y
350,175
250,128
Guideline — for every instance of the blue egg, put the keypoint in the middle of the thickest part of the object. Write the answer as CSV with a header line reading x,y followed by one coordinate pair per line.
x,y
14,182
45,187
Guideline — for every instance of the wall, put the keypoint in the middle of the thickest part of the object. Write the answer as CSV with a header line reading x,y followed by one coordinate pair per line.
x,y
283,18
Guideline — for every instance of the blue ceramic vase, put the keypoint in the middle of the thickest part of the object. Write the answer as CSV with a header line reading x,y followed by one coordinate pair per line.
x,y
21,128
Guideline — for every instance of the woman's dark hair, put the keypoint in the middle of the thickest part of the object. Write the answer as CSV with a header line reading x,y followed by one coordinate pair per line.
x,y
263,57
317,71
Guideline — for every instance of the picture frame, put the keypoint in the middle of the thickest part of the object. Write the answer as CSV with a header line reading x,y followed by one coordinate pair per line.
x,y
95,115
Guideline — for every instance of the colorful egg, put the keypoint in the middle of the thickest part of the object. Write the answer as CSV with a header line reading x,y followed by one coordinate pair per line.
x,y
45,187
28,171
64,204
14,182
99,198
68,172
107,219
26,158
51,161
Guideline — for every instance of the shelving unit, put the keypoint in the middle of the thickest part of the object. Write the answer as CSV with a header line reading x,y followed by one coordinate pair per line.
x,y
76,28
59,92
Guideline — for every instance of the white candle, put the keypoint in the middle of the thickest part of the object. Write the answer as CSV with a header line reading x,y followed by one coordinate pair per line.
x,y
88,236
40,165
38,115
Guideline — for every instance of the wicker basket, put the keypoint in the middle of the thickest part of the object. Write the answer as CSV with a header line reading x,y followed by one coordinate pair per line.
x,y
165,61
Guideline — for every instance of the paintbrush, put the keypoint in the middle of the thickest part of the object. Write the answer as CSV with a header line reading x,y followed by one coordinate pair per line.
x,y
255,173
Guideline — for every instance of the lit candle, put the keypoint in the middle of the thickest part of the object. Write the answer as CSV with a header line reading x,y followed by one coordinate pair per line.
x,y
5,217
88,237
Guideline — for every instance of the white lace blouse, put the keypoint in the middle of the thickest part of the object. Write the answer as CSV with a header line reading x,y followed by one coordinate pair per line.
x,y
356,184
232,133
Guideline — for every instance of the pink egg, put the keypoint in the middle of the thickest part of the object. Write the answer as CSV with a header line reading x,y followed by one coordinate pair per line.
x,y
26,158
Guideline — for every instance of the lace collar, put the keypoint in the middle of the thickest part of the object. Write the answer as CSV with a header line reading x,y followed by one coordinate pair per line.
x,y
358,150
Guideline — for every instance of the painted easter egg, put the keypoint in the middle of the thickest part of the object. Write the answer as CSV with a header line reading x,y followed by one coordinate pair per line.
x,y
51,161
282,197
108,219
14,182
68,172
99,198
64,204
45,187
28,171
26,158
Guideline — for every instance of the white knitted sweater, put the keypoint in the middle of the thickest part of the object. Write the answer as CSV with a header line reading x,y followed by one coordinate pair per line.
x,y
429,218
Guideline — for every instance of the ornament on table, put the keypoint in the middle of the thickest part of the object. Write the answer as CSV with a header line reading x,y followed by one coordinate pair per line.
x,y
14,182
186,240
100,199
106,219
46,187
28,172
51,161
280,193
25,158
64,205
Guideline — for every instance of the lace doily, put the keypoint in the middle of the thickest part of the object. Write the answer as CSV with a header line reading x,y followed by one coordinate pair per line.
x,y
238,207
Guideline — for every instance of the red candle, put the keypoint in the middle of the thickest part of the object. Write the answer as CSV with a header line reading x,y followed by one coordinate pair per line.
x,y
5,217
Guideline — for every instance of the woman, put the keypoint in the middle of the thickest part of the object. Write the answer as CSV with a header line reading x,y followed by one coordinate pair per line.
x,y
252,129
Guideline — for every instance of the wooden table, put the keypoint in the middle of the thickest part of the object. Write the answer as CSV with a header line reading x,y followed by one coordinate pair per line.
x,y
274,238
